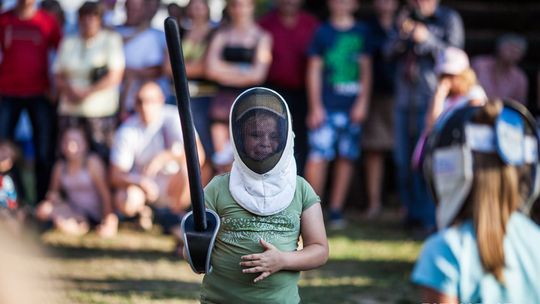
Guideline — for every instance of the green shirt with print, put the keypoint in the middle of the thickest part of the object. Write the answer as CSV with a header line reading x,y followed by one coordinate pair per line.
x,y
239,235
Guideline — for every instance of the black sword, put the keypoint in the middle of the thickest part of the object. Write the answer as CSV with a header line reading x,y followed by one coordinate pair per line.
x,y
184,109
200,226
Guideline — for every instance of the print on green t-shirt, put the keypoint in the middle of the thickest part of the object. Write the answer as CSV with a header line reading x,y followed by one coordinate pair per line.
x,y
239,235
343,57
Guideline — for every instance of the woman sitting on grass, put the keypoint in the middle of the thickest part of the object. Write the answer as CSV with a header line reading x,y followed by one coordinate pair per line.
x,y
78,196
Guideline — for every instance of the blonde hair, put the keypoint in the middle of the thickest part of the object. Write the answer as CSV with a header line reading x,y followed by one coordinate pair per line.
x,y
493,198
465,81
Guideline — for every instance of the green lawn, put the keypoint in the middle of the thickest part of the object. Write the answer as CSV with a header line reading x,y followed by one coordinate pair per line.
x,y
370,262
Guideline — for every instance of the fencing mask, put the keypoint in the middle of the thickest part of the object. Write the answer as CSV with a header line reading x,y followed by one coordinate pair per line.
x,y
263,175
449,166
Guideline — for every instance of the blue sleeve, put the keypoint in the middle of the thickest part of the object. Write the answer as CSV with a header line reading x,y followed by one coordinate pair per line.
x,y
317,46
437,267
365,31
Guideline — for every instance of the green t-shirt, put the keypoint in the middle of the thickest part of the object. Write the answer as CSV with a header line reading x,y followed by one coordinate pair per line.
x,y
239,235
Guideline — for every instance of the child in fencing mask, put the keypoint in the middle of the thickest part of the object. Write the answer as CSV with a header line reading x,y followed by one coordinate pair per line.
x,y
264,208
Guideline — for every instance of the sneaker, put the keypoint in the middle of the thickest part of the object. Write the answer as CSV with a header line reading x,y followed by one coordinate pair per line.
x,y
336,220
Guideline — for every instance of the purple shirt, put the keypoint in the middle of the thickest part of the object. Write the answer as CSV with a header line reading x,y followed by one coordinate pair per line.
x,y
511,84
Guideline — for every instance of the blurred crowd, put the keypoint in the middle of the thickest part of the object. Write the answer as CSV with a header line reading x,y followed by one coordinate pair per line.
x,y
105,134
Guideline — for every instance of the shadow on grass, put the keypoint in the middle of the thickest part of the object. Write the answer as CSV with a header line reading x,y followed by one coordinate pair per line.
x,y
355,281
159,289
376,270
370,230
76,253
350,294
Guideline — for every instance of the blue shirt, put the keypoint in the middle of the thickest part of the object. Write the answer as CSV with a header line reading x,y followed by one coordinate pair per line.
x,y
450,263
340,51
384,68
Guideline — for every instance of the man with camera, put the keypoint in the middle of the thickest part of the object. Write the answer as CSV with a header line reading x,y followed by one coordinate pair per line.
x,y
424,29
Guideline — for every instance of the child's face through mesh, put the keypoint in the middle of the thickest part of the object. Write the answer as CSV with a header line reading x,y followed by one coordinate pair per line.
x,y
261,136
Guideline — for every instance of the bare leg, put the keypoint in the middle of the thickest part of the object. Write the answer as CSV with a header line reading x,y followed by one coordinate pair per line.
x,y
316,175
178,191
130,202
67,221
343,172
374,162
71,226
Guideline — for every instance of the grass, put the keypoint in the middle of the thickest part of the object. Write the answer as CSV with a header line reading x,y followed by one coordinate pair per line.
x,y
370,262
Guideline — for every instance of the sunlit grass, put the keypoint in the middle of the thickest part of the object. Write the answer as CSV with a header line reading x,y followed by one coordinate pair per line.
x,y
370,262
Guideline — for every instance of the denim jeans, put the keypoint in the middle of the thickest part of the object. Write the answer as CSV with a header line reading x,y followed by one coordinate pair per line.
x,y
412,187
200,107
42,117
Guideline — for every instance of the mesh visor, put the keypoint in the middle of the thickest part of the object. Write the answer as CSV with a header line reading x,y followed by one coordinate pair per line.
x,y
260,128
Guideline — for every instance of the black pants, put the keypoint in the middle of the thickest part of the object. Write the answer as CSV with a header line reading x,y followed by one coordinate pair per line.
x,y
42,117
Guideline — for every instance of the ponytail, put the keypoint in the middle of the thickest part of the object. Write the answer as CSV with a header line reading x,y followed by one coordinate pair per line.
x,y
494,197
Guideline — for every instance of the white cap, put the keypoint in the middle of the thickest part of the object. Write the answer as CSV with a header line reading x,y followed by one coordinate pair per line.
x,y
452,61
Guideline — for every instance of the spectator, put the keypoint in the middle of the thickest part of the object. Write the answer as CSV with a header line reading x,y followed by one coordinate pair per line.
x,y
11,191
195,41
339,85
88,83
500,74
457,85
378,130
485,249
239,56
148,163
425,28
144,49
292,30
26,37
82,177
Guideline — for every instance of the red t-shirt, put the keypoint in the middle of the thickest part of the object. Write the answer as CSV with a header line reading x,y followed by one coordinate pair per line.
x,y
289,50
25,46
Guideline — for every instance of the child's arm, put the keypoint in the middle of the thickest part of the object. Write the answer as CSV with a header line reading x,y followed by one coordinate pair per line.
x,y
45,208
360,108
53,193
99,177
437,103
316,112
313,255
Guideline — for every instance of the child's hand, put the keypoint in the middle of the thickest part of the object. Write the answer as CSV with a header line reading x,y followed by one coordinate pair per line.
x,y
358,113
150,188
155,165
268,262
